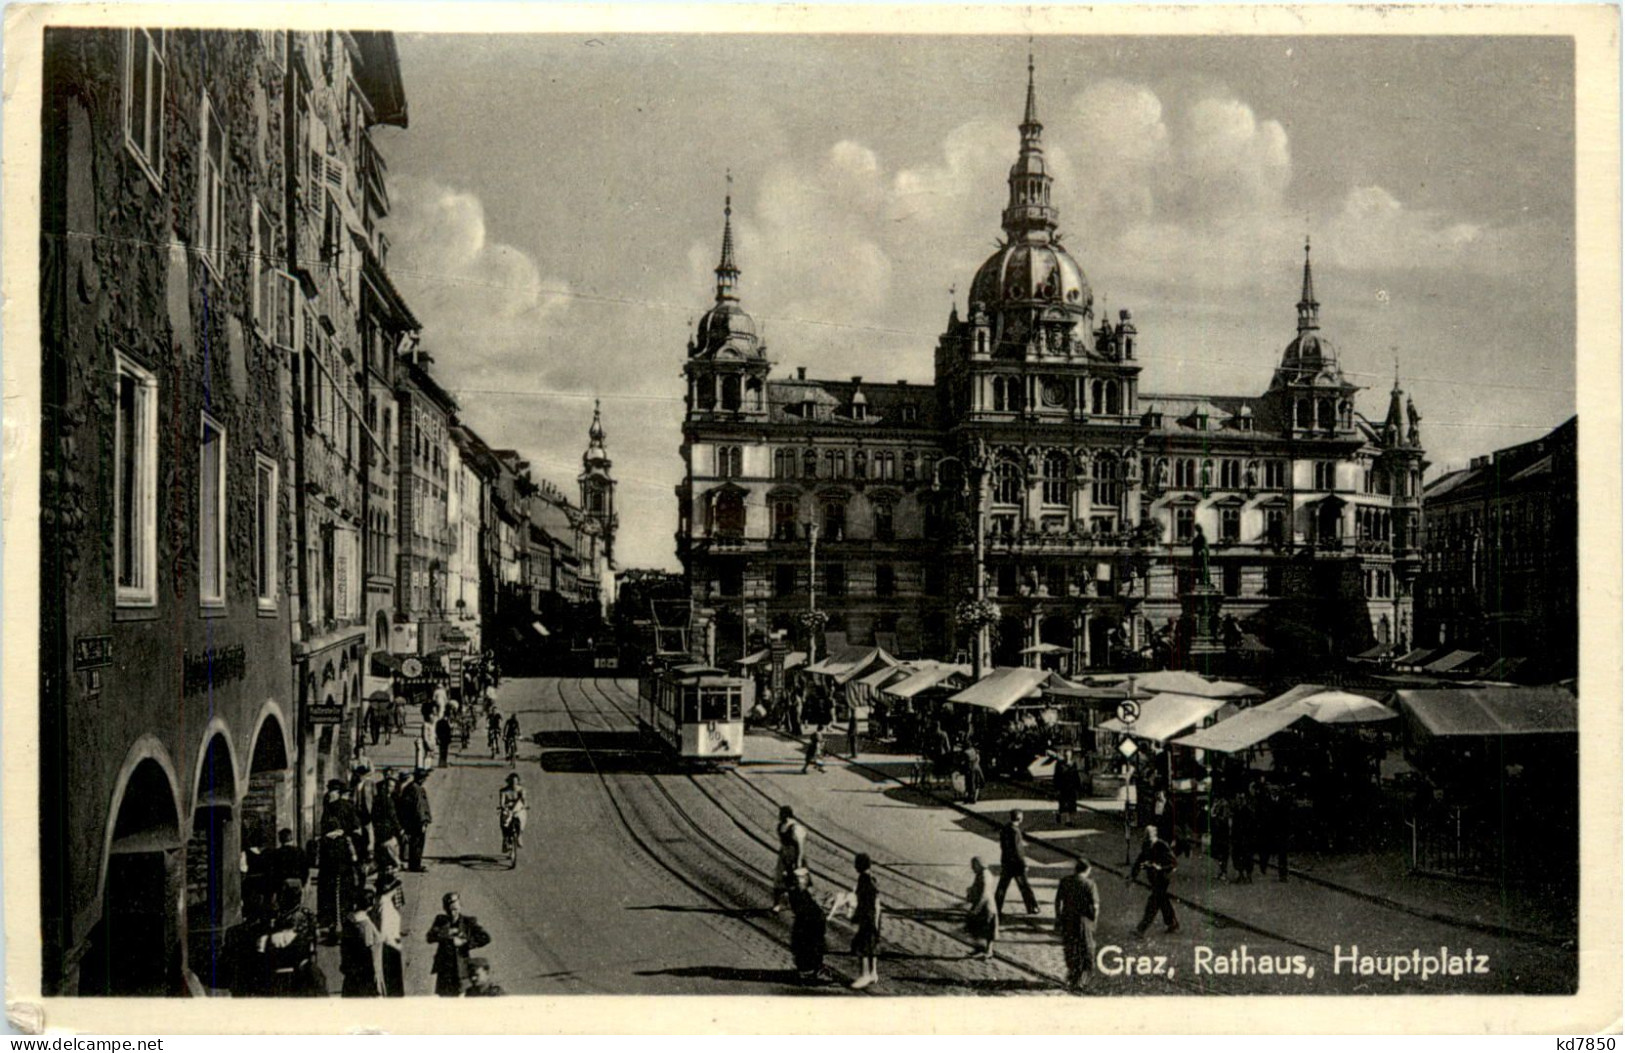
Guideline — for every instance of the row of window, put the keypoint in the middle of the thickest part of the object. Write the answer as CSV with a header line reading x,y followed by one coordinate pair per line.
x,y
1229,524
1105,397
791,463
833,580
135,500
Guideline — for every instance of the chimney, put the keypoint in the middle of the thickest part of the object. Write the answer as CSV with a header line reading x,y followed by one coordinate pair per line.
x,y
801,372
856,381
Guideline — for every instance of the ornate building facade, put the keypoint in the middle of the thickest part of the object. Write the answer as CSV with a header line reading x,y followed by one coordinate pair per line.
x,y
1038,474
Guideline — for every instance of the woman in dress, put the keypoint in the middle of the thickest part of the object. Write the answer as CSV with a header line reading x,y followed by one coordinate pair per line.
x,y
866,942
982,920
807,929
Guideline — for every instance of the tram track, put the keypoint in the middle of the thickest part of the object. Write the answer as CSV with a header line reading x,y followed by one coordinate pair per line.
x,y
843,847
765,878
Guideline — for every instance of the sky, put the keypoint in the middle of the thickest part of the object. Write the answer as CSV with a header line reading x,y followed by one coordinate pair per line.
x,y
557,212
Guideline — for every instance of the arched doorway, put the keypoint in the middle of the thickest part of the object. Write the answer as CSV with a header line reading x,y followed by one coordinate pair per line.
x,y
1057,630
268,802
213,878
135,947
1009,638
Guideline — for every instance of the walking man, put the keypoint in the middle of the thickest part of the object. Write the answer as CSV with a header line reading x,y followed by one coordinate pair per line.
x,y
442,738
1013,864
455,935
974,779
852,734
815,752
1077,908
1157,858
413,808
336,864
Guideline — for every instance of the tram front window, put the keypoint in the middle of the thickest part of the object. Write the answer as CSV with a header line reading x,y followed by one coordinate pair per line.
x,y
714,705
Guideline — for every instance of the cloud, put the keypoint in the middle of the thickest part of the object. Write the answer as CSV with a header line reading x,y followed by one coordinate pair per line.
x,y
485,305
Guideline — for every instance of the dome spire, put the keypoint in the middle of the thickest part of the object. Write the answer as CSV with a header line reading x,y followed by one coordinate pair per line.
x,y
1028,215
727,272
1308,306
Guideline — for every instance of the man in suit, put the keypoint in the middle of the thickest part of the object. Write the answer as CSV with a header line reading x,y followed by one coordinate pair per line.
x,y
1077,908
413,812
336,874
1013,864
455,935
1157,858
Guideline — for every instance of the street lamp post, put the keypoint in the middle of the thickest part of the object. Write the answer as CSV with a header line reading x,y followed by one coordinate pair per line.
x,y
977,468
812,592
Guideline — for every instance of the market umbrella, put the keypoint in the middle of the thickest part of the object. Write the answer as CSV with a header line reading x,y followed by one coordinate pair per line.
x,y
380,696
1342,707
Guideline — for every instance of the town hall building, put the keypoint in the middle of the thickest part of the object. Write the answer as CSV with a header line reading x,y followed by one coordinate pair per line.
x,y
1037,475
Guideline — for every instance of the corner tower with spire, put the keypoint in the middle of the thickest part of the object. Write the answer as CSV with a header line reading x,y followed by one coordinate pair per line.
x,y
598,486
727,362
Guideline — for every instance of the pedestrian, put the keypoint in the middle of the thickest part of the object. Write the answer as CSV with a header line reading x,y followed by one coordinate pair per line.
x,y
974,778
423,746
386,828
942,757
413,809
376,720
1276,832
361,957
1013,864
287,949
792,855
442,700
1077,909
442,737
1157,859
336,873
455,935
982,919
1220,827
815,752
387,916
399,715
479,980
1067,786
852,734
1243,850
287,863
866,941
797,699
809,927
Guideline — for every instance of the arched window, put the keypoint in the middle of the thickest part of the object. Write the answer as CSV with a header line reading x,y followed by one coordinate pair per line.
x,y
728,514
1323,411
1057,487
784,520
886,465
860,465
1185,473
809,464
753,389
908,466
981,342
1105,485
1114,399
835,461
784,464
834,520
1304,418
730,462
1230,474
1007,483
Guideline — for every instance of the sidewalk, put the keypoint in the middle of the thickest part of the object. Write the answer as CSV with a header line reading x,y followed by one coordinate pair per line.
x,y
393,755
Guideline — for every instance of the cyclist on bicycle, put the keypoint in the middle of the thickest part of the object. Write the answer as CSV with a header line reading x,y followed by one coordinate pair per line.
x,y
510,737
493,731
511,809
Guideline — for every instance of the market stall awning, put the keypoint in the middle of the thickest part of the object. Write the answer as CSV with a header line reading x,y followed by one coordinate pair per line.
x,y
1165,716
1246,729
1419,655
925,677
1502,668
1492,711
840,660
795,660
1382,650
1046,648
1453,660
1341,707
1286,698
883,676
1003,688
1179,682
759,656
1090,693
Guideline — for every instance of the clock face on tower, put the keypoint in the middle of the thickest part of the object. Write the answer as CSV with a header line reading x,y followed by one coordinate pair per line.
x,y
1054,393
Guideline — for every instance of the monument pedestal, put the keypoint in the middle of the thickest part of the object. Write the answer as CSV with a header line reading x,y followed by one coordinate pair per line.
x,y
1201,606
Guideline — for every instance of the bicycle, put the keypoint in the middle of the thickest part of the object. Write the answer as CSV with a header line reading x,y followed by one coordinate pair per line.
x,y
511,831
513,750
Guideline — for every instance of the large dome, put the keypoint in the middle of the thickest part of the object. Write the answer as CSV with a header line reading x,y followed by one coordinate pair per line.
x,y
726,331
1032,271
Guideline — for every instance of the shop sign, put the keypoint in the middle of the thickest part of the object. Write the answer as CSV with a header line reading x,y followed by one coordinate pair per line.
x,y
212,667
325,713
92,652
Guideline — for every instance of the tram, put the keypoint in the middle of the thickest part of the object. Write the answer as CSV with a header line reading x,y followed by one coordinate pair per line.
x,y
695,710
